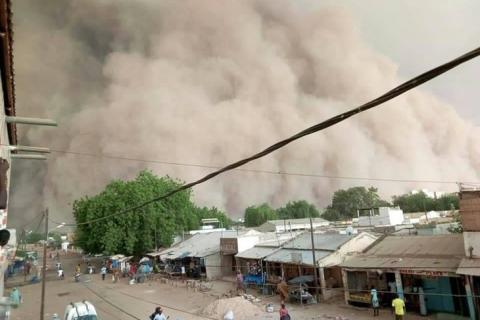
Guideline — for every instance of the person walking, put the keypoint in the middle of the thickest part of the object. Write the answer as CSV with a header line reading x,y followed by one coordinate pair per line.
x,y
398,308
284,312
374,301
158,314
240,282
282,289
103,271
16,297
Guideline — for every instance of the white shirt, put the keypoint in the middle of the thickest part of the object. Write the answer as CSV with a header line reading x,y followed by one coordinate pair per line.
x,y
160,317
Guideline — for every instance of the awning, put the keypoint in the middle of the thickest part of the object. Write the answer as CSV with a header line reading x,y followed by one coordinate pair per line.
x,y
407,264
470,267
294,256
256,253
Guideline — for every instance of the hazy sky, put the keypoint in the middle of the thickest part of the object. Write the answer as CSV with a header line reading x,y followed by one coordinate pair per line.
x,y
211,82
418,35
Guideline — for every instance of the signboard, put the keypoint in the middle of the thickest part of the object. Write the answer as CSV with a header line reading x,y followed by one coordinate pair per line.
x,y
428,273
228,246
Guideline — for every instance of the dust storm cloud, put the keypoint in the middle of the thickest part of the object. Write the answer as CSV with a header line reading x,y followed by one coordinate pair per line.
x,y
208,82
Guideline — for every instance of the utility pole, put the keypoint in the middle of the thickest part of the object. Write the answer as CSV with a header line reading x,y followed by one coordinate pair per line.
x,y
315,276
44,267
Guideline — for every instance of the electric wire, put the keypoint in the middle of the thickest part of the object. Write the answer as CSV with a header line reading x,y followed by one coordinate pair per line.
x,y
406,86
31,221
111,303
263,171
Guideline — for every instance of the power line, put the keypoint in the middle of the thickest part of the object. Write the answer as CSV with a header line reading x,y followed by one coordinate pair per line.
x,y
31,221
406,86
280,172
111,303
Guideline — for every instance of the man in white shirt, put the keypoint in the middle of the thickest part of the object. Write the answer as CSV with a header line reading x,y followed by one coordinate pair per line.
x,y
158,314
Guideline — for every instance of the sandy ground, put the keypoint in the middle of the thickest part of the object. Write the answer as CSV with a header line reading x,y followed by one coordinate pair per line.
x,y
118,301
123,301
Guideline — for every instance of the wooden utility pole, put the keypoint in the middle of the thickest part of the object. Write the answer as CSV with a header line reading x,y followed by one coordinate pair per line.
x,y
44,266
315,276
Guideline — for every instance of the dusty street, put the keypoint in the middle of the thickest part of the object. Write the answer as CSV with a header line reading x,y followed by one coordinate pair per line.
x,y
123,301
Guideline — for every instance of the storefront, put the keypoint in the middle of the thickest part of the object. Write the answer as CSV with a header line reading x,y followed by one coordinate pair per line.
x,y
420,269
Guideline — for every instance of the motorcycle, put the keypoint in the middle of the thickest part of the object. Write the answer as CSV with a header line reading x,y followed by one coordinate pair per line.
x,y
77,277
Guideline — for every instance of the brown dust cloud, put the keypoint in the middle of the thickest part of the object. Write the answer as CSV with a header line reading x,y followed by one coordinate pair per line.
x,y
209,82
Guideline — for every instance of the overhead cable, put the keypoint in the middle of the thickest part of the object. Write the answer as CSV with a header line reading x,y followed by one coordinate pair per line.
x,y
395,92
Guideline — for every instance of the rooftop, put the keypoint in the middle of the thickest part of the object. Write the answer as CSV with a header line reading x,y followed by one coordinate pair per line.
x,y
438,252
199,245
296,221
323,241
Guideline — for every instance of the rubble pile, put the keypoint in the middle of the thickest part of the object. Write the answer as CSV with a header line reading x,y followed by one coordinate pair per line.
x,y
241,308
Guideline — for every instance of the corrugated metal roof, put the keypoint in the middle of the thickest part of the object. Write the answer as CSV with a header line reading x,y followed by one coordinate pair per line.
x,y
297,221
199,245
369,262
256,252
436,245
469,267
323,241
288,256
439,252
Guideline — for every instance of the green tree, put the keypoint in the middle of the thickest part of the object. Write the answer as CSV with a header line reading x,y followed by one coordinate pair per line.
x,y
345,203
447,202
420,202
34,237
57,239
257,215
206,213
457,227
297,210
133,232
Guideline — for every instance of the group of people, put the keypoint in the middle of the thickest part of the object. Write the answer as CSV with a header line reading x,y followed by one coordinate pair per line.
x,y
398,305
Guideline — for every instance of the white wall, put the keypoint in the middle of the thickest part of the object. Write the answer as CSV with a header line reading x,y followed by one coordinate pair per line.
x,y
245,243
386,217
472,239
213,265
356,245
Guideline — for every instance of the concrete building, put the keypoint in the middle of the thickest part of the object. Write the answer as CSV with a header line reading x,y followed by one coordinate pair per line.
x,y
287,225
251,262
383,216
470,264
421,269
295,257
211,254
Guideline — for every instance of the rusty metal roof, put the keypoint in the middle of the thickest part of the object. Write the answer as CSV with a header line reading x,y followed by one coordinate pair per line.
x,y
6,65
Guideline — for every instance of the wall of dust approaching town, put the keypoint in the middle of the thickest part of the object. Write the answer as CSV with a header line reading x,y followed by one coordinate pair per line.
x,y
208,82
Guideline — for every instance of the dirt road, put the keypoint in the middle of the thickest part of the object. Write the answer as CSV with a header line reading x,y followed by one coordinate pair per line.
x,y
121,301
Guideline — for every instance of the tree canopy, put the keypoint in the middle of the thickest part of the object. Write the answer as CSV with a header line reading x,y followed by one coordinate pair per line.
x,y
135,232
257,215
345,203
297,210
420,202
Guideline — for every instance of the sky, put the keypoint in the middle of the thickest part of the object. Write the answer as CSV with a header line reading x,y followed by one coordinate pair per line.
x,y
418,35
209,84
